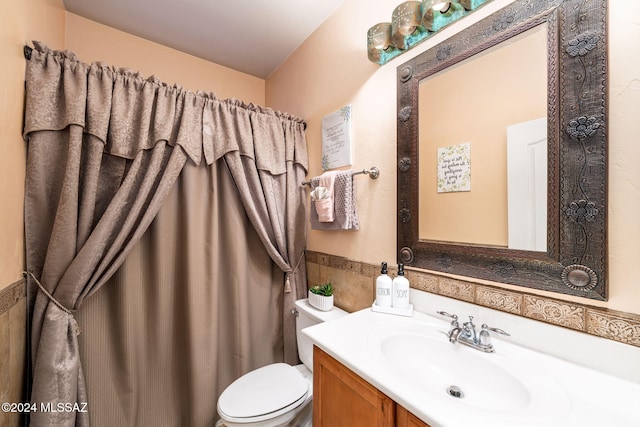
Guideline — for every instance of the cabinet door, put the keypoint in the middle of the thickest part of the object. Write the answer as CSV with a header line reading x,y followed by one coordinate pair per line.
x,y
405,418
343,399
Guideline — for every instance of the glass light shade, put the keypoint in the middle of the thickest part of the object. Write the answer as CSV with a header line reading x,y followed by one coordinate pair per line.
x,y
438,13
411,23
441,6
378,41
404,21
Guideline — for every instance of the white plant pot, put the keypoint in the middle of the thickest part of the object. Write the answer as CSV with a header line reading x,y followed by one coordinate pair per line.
x,y
320,301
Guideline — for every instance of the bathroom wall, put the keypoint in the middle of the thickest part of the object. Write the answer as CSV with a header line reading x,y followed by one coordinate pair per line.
x,y
92,41
331,70
20,22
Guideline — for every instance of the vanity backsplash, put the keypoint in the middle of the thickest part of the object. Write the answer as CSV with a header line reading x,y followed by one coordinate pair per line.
x,y
360,293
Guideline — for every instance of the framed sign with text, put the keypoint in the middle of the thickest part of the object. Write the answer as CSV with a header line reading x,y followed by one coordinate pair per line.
x,y
454,168
336,139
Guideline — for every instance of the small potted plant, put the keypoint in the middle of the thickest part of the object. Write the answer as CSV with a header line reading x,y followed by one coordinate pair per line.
x,y
321,296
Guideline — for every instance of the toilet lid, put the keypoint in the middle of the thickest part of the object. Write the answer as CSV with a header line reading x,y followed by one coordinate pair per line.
x,y
263,391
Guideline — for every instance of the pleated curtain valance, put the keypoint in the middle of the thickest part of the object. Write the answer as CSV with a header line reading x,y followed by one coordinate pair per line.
x,y
129,113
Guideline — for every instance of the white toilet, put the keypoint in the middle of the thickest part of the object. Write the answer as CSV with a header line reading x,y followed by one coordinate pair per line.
x,y
278,394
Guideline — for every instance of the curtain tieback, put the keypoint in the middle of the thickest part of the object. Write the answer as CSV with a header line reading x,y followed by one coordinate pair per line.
x,y
57,303
287,282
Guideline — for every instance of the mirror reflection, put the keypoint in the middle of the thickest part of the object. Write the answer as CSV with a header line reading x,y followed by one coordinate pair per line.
x,y
483,156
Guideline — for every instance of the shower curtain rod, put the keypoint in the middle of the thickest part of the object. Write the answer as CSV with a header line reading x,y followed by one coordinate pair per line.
x,y
373,173
27,54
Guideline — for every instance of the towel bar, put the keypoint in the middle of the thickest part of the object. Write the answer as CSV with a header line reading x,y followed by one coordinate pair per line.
x,y
373,173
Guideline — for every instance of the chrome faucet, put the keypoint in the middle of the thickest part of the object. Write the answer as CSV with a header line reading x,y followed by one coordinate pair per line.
x,y
468,336
454,333
468,332
454,330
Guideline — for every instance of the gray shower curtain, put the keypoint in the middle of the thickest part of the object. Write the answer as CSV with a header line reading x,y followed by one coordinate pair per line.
x,y
159,342
105,147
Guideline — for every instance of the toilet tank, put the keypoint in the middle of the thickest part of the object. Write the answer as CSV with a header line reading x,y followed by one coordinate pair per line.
x,y
309,316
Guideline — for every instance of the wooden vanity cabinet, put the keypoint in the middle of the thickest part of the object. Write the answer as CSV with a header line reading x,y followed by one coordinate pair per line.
x,y
342,399
405,418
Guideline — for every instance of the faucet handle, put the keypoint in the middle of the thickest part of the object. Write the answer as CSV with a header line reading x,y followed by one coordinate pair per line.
x,y
454,318
444,313
486,327
485,338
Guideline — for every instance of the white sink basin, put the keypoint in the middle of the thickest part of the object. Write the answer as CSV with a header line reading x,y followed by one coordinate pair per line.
x,y
411,360
437,365
498,383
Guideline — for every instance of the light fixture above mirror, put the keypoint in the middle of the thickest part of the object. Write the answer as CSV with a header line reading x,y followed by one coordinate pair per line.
x,y
413,22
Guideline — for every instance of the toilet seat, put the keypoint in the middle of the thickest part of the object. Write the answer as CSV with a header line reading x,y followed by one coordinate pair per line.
x,y
263,394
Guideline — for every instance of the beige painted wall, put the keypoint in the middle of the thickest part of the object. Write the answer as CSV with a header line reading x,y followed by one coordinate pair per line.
x,y
331,70
92,41
20,22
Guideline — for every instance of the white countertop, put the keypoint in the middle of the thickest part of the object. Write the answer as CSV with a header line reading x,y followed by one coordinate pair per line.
x,y
593,398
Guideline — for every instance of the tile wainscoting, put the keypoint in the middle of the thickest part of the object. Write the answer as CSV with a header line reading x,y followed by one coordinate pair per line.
x,y
360,293
13,321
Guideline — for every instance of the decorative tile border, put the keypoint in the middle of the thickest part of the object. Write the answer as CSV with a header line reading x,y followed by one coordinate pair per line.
x,y
612,326
557,312
456,289
423,282
498,299
12,294
602,322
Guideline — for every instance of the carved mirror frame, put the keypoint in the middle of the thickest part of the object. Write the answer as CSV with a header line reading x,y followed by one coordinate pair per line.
x,y
575,262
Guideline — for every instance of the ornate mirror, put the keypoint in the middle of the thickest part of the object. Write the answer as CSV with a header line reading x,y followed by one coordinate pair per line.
x,y
502,150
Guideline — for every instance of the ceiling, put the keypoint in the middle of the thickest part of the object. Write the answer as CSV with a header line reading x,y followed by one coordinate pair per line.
x,y
252,36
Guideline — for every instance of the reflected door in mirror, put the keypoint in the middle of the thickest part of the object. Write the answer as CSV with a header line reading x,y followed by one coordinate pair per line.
x,y
527,185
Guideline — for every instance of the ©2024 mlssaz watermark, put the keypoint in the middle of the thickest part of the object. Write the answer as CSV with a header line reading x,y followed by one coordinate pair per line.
x,y
50,407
